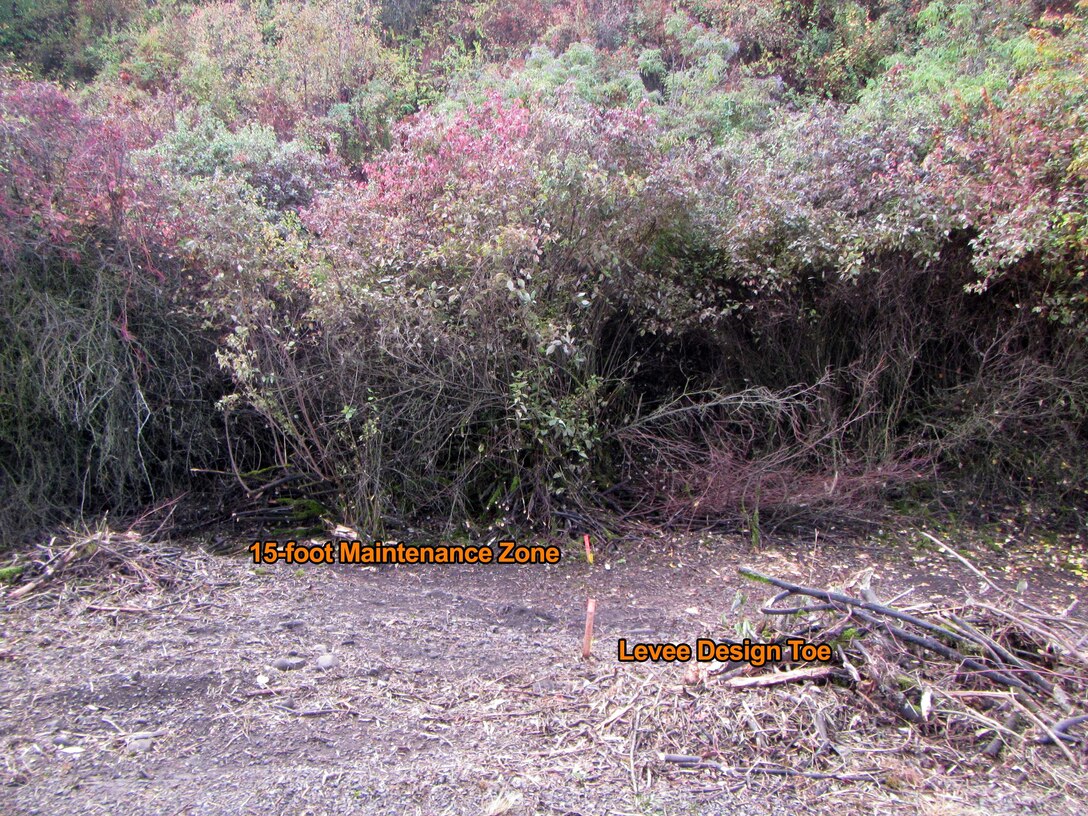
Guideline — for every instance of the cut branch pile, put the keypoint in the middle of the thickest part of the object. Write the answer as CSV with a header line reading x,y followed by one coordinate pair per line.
x,y
89,562
985,676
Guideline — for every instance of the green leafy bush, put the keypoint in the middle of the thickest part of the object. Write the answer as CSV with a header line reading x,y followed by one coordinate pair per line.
x,y
284,174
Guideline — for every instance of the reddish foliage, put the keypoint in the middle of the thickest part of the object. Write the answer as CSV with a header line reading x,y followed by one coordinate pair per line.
x,y
461,179
487,142
515,22
1014,176
67,182
730,475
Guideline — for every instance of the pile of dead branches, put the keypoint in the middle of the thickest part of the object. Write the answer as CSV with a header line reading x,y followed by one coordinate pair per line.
x,y
90,562
984,676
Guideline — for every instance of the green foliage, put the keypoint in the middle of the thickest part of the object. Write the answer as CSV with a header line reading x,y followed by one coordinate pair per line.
x,y
402,17
284,174
60,39
286,65
651,63
965,53
357,129
34,31
828,48
582,71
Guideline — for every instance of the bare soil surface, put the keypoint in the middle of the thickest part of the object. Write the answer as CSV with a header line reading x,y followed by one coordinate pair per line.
x,y
461,690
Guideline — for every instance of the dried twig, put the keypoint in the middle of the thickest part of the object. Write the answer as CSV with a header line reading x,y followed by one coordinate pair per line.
x,y
1059,730
898,632
687,761
792,676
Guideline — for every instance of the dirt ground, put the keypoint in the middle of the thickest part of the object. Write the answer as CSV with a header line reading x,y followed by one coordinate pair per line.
x,y
461,690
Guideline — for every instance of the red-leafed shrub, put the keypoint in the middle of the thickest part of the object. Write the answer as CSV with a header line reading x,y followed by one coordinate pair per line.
x,y
1018,176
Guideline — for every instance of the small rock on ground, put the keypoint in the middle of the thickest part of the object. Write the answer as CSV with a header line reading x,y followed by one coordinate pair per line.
x,y
288,663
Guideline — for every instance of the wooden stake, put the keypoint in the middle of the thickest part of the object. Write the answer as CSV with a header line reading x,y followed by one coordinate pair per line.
x,y
587,641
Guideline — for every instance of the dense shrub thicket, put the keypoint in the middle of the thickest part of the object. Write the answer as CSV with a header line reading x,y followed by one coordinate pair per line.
x,y
104,376
686,261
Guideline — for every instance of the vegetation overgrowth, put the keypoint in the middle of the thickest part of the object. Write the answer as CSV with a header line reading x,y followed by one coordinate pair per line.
x,y
682,261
